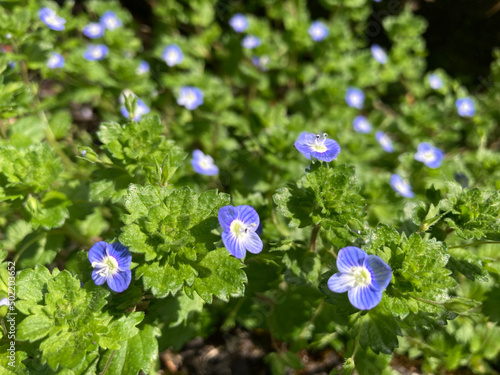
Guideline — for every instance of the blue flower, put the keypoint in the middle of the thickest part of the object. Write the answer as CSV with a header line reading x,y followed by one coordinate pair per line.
x,y
261,62
143,67
95,52
141,109
355,97
250,42
379,54
400,186
238,22
204,164
435,81
239,226
190,97
465,107
51,19
429,155
364,277
56,60
362,125
384,141
110,20
111,263
172,54
4,302
318,31
93,30
317,146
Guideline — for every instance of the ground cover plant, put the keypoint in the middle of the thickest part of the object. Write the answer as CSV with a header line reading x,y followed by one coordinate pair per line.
x,y
262,165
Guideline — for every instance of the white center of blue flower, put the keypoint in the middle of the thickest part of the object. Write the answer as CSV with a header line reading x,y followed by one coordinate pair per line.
x,y
107,267
385,141
96,53
401,186
239,229
319,143
53,60
428,156
189,98
206,162
361,276
355,100
172,56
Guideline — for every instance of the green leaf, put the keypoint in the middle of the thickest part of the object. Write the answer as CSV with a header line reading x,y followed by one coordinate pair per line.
x,y
220,275
121,329
467,263
165,279
51,212
379,331
460,304
34,327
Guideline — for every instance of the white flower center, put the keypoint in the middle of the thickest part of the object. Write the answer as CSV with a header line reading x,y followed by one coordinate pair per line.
x,y
96,53
355,99
206,162
319,143
428,156
400,186
172,56
107,267
239,228
361,276
53,60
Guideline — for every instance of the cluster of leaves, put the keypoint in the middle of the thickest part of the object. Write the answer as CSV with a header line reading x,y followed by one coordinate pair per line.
x,y
73,171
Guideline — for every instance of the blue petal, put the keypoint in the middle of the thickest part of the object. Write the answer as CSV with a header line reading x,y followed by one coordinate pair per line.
x,y
97,252
226,215
248,216
121,254
364,298
253,243
380,271
349,257
98,279
198,154
120,281
341,282
233,245
333,150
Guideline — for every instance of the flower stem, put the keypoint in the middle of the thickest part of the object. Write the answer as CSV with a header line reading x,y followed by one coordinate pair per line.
x,y
314,235
428,301
356,341
108,362
474,244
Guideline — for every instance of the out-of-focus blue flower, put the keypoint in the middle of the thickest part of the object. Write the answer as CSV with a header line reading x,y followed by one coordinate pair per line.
x,y
51,19
95,52
172,54
400,186
250,42
110,20
190,97
429,155
261,62
93,30
364,277
111,263
435,81
355,97
238,22
379,53
141,109
239,226
361,125
465,107
318,31
384,141
84,153
56,60
204,164
4,302
317,146
143,67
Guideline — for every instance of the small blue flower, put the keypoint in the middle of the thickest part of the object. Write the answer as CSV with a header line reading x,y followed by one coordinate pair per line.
x,y
110,20
141,109
400,186
172,54
239,226
238,22
204,164
143,68
465,107
317,146
95,52
429,155
435,81
250,42
93,30
4,302
261,62
379,54
364,277
51,19
84,153
361,125
318,31
56,60
190,97
384,141
355,97
111,263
